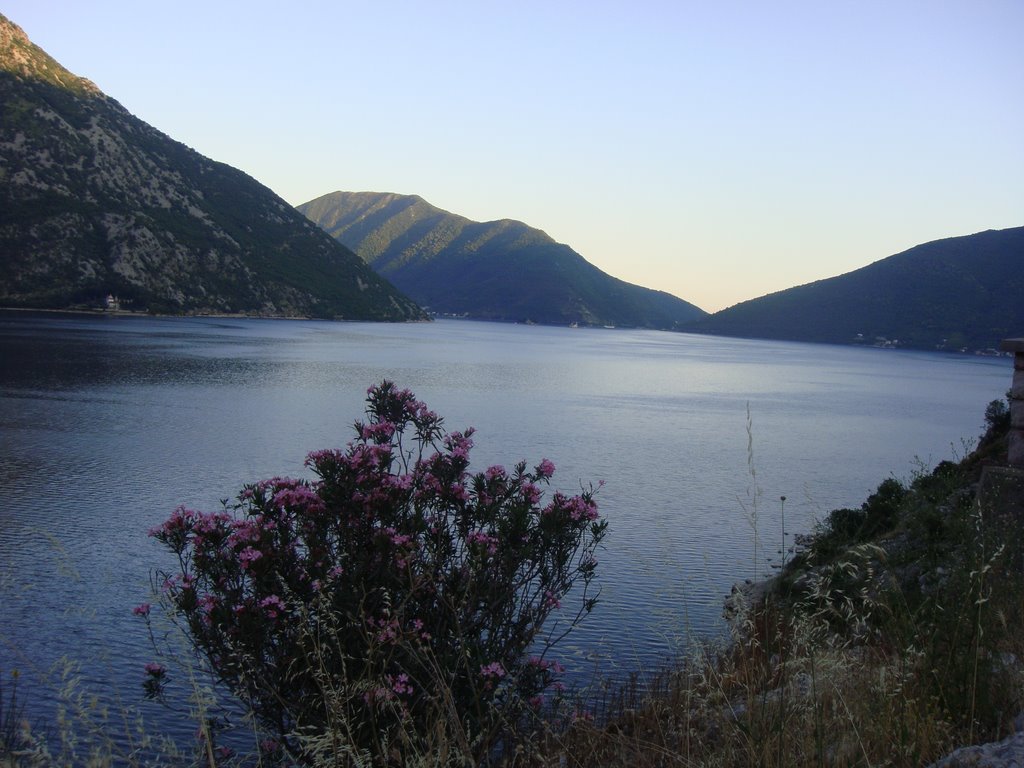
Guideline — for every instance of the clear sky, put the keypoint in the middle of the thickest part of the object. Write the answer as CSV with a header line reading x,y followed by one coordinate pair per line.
x,y
718,150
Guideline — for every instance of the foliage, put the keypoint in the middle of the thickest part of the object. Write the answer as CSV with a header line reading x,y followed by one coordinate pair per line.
x,y
960,292
890,649
843,528
393,578
997,417
115,206
11,716
497,270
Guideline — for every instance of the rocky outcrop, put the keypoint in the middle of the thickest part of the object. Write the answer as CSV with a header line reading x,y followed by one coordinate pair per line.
x,y
1008,753
93,201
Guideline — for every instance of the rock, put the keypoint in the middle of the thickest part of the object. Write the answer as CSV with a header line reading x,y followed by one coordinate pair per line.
x,y
1008,753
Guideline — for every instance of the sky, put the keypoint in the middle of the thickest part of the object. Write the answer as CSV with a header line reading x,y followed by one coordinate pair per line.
x,y
717,150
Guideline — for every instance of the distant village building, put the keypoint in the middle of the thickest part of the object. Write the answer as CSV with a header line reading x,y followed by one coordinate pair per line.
x,y
113,303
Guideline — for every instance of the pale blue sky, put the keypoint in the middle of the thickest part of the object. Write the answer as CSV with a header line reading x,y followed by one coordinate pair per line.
x,y
716,150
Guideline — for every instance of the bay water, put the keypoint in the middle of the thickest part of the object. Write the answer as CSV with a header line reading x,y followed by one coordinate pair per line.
x,y
107,423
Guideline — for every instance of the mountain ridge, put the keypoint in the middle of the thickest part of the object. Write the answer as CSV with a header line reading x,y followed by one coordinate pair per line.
x,y
96,202
954,293
496,270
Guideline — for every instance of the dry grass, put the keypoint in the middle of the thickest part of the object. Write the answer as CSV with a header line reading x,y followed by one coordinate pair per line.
x,y
887,654
890,650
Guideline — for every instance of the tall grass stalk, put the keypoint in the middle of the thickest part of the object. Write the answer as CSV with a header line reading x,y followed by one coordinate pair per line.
x,y
752,506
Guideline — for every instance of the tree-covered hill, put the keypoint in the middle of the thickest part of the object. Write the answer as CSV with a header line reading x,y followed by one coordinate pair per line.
x,y
498,270
93,201
958,293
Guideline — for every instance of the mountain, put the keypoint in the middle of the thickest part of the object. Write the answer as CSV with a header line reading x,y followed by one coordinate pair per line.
x,y
498,270
961,292
93,201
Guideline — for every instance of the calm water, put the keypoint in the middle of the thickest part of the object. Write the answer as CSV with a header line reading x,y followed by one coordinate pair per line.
x,y
106,424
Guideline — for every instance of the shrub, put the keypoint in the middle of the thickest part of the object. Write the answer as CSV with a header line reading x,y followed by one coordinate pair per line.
x,y
393,587
997,417
882,508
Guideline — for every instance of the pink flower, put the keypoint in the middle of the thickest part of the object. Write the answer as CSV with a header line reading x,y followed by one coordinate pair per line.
x,y
531,493
389,629
181,519
155,670
272,605
380,432
248,556
484,540
493,670
401,482
207,523
141,610
207,603
244,531
398,539
581,508
296,495
459,444
316,459
400,684
545,469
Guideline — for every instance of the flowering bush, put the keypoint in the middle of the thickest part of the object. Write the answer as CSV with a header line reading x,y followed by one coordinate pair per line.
x,y
393,587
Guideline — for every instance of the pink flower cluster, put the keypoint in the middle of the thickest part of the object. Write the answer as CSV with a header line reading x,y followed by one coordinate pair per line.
x,y
248,556
393,549
493,670
400,684
551,599
273,606
379,432
545,469
486,541
578,508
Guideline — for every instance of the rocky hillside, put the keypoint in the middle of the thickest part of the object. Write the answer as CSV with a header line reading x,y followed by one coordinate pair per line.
x,y
498,270
93,201
958,293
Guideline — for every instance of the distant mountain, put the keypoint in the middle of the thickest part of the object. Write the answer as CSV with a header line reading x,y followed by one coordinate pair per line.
x,y
961,292
93,201
499,270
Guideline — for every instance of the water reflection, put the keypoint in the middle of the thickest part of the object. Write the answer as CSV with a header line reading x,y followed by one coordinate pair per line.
x,y
108,423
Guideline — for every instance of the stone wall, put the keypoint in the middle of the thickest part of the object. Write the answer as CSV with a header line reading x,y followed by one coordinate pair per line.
x,y
1016,446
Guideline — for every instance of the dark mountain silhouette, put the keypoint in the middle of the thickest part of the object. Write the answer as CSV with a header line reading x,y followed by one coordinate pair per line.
x,y
93,201
961,292
498,270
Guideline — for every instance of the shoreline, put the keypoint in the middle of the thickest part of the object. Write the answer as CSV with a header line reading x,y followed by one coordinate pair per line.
x,y
227,315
